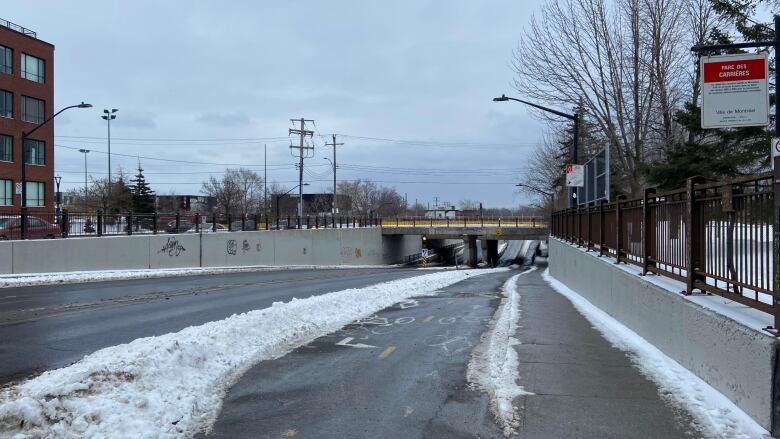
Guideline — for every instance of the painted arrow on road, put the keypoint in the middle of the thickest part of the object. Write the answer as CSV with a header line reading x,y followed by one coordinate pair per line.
x,y
346,342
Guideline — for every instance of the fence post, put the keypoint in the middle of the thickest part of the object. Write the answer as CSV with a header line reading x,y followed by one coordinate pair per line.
x,y
776,243
317,222
23,224
307,221
178,221
230,222
99,223
154,220
130,222
618,227
647,230
243,222
266,223
213,222
691,235
588,240
601,227
197,223
65,223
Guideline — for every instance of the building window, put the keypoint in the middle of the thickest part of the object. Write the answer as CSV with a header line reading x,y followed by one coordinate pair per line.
x,y
6,192
6,148
6,60
33,110
35,152
35,194
33,68
6,104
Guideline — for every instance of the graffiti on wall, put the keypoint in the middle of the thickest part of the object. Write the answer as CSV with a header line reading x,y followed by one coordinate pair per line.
x,y
172,247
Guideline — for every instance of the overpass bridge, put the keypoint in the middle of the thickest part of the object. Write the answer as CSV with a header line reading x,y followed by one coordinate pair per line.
x,y
488,231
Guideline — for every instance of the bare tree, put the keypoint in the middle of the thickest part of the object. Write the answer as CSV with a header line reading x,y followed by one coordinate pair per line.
x,y
614,58
239,191
362,197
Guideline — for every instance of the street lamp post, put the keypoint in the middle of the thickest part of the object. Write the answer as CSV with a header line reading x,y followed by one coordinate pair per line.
x,y
108,116
58,198
573,117
85,152
25,136
279,197
333,202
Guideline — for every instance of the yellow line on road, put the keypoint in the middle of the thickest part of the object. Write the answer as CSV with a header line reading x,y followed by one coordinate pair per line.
x,y
428,319
386,352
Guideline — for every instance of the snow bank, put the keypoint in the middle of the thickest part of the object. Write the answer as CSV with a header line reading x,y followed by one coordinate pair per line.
x,y
713,414
172,385
494,363
24,280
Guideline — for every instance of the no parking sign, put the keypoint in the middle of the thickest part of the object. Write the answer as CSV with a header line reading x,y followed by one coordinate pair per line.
x,y
775,149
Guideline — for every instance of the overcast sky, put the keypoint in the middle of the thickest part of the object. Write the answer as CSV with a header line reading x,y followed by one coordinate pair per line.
x,y
194,76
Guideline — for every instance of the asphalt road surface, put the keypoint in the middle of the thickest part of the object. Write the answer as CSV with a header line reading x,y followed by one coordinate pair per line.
x,y
46,327
398,374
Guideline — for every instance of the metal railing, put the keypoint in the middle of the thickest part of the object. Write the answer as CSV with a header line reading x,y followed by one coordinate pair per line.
x,y
511,221
17,28
715,237
96,224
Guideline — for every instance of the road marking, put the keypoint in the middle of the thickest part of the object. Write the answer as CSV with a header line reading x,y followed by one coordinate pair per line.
x,y
428,319
386,352
346,341
408,411
290,432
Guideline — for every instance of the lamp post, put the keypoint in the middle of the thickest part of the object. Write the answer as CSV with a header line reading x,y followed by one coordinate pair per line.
x,y
333,203
85,152
25,136
108,116
58,198
279,197
573,117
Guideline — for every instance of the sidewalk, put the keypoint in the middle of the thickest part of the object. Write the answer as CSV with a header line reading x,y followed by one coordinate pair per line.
x,y
582,386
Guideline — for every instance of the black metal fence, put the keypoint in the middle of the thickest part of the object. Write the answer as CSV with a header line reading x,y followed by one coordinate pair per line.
x,y
714,237
33,225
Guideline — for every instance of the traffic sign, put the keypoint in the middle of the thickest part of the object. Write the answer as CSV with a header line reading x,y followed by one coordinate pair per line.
x,y
775,149
734,91
575,175
18,189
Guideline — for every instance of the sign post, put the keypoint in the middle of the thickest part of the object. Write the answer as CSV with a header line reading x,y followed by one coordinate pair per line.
x,y
575,175
734,91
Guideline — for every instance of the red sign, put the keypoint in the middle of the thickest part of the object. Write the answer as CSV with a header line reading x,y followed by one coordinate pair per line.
x,y
743,70
569,168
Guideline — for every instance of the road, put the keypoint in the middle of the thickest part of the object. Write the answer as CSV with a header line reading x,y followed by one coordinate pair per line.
x,y
46,327
398,374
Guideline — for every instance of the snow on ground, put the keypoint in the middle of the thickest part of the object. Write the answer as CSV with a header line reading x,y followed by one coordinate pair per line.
x,y
173,385
24,280
713,414
494,362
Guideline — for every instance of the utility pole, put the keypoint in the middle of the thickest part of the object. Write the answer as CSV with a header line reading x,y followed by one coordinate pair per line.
x,y
334,145
265,178
303,132
108,116
85,152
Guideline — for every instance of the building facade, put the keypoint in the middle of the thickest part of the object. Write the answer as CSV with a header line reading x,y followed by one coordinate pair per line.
x,y
26,100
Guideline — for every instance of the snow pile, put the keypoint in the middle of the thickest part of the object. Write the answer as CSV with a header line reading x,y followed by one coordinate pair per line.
x,y
713,414
172,385
25,280
494,362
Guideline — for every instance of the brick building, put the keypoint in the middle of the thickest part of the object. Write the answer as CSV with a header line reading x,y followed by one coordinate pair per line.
x,y
26,99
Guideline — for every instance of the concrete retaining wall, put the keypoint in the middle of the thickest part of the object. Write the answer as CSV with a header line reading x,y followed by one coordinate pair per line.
x,y
278,247
736,360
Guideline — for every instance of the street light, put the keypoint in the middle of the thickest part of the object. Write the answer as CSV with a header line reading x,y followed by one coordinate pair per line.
x,y
333,202
85,152
279,197
58,197
536,189
573,117
25,136
108,116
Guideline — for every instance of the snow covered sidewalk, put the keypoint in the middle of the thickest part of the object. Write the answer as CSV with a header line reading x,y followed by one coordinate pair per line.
x,y
172,385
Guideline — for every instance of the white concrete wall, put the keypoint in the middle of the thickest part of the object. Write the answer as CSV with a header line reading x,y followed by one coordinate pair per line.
x,y
279,247
734,359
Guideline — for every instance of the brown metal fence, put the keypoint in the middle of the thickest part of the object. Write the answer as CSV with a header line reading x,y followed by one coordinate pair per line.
x,y
715,237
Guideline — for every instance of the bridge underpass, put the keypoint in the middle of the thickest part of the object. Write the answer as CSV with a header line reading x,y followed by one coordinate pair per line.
x,y
489,235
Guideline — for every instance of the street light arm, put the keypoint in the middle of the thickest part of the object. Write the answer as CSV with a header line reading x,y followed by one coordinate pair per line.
x,y
549,194
549,110
81,105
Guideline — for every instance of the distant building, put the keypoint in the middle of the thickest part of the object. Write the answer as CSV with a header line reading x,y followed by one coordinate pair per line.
x,y
442,212
26,100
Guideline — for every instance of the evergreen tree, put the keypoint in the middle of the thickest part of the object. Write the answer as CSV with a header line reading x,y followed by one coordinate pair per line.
x,y
718,153
143,196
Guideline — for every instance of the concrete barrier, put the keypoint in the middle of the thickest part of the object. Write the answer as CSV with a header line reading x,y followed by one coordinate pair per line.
x,y
279,247
736,360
